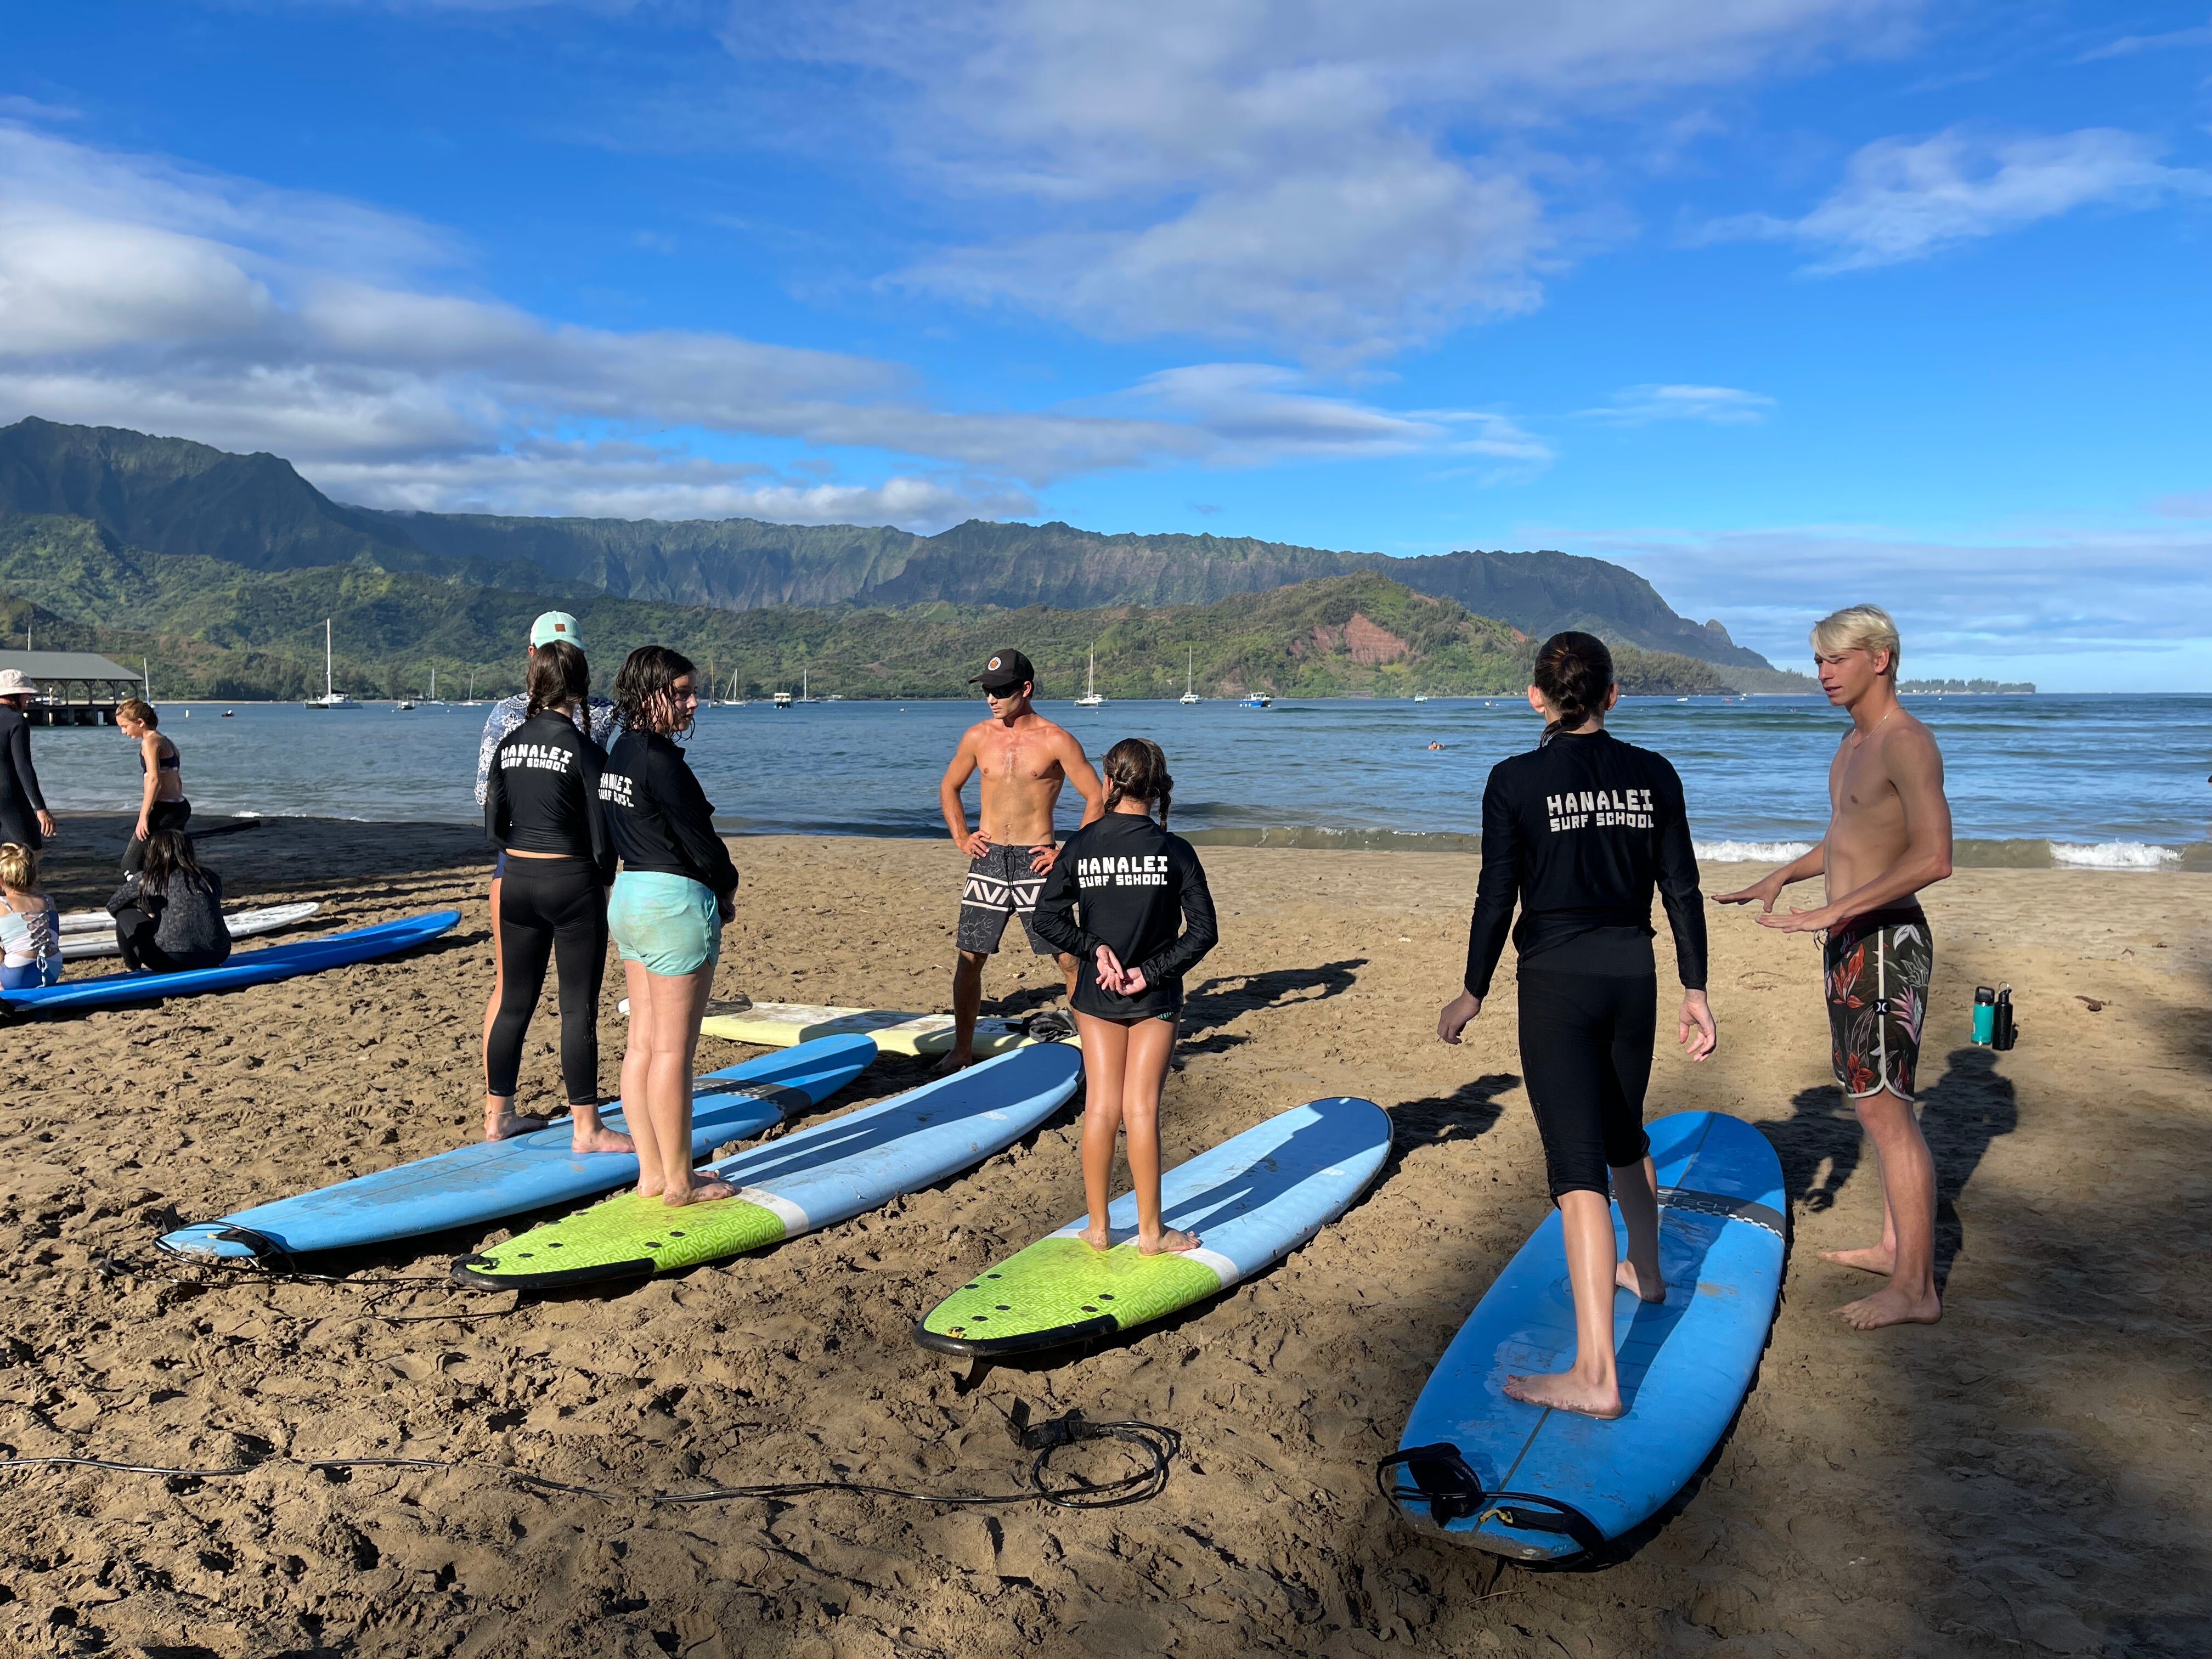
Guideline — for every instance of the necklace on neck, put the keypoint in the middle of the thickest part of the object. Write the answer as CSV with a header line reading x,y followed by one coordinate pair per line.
x,y
1858,738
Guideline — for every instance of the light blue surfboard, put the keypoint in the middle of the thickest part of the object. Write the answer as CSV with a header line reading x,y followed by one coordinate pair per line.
x,y
1535,1484
823,1174
1251,1201
245,968
487,1181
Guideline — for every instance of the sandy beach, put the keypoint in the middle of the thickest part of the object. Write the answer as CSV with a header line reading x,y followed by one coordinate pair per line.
x,y
2033,1475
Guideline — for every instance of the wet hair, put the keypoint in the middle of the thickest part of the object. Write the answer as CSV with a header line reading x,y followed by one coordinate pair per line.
x,y
1574,671
170,858
138,708
1137,769
644,689
559,672
19,867
1869,626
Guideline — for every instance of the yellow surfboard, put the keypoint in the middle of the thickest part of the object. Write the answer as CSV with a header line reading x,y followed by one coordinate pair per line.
x,y
784,1025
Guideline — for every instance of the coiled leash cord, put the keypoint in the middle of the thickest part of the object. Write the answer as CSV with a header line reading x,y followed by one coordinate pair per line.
x,y
1158,1446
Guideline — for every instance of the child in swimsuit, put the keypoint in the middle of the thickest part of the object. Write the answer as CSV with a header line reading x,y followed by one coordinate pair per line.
x,y
30,925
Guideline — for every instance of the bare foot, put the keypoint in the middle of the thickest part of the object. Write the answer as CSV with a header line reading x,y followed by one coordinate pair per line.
x,y
507,1125
1098,1238
1170,1241
1565,1391
955,1061
1628,1279
1869,1259
602,1139
1890,1306
699,1191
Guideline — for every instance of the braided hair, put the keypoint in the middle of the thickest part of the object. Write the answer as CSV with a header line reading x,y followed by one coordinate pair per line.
x,y
1574,671
1137,769
559,672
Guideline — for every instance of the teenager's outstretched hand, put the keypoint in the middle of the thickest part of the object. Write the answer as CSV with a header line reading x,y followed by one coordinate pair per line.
x,y
1456,1013
1699,1036
1804,921
1763,892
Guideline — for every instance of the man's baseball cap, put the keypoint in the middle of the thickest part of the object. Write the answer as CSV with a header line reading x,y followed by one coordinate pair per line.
x,y
554,625
1006,671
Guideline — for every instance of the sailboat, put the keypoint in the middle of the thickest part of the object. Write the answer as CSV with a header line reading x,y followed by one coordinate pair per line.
x,y
331,697
1188,696
1090,699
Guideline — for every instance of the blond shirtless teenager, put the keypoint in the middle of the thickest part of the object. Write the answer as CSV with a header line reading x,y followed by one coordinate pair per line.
x,y
1024,759
1889,836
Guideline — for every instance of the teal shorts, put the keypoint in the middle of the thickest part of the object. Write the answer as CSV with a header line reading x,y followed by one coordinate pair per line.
x,y
668,923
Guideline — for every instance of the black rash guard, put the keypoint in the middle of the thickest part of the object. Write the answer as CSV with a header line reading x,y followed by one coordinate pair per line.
x,y
1580,831
542,794
660,819
1137,886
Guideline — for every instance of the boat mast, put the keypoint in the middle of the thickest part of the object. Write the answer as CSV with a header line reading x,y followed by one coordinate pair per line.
x,y
326,659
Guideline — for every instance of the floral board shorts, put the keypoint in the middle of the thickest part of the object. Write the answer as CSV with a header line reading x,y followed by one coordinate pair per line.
x,y
1877,967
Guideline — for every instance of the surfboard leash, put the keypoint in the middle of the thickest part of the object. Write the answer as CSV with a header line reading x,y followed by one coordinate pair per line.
x,y
1157,1445
275,1265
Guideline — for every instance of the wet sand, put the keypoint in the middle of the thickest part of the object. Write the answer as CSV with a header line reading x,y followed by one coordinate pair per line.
x,y
2031,1475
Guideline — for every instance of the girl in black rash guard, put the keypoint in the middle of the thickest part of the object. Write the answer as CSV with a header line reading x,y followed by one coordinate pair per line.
x,y
542,810
675,893
1583,828
1146,919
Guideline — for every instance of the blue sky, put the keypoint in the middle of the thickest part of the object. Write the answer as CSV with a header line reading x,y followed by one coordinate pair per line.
x,y
1783,303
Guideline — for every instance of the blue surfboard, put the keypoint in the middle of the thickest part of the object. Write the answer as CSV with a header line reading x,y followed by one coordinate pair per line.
x,y
487,1181
823,1174
1252,1200
245,968
1535,1484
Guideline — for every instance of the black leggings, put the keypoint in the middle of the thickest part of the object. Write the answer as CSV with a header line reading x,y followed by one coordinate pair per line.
x,y
548,906
165,815
1586,1052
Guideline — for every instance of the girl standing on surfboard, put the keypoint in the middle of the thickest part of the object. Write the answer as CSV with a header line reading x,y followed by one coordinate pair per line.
x,y
541,812
1581,829
677,891
1146,919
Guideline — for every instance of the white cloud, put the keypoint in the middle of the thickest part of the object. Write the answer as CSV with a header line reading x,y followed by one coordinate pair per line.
x,y
1901,200
1310,177
2012,598
136,293
2128,45
1720,405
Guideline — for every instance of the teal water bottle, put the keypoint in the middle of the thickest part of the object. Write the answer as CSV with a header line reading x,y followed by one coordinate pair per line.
x,y
1985,1015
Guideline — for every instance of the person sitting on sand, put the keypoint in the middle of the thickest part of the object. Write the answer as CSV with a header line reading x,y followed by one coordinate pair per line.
x,y
1024,758
1581,829
1146,919
677,891
168,914
162,803
542,811
1889,836
30,924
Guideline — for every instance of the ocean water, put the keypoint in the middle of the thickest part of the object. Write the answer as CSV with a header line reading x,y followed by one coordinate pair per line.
x,y
2111,782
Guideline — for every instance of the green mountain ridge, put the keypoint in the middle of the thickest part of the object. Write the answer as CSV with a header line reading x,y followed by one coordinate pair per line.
x,y
172,496
215,629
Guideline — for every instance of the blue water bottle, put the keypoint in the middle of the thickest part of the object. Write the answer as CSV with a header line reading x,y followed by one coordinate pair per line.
x,y
1985,1015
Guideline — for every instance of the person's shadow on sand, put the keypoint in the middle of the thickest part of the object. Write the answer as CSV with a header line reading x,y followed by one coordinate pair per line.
x,y
1218,1001
1970,1107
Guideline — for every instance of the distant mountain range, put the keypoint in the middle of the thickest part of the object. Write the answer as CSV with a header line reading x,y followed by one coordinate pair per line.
x,y
173,497
214,629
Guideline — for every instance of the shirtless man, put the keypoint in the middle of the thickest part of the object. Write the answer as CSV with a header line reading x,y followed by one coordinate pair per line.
x,y
1023,758
1889,836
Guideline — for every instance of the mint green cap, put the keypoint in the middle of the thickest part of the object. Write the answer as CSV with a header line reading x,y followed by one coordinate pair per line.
x,y
556,625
